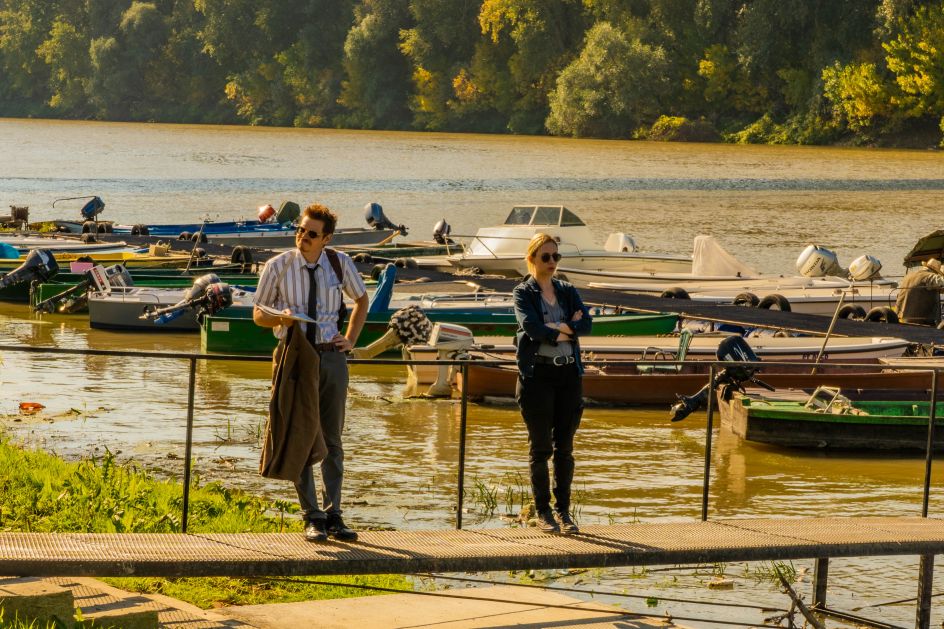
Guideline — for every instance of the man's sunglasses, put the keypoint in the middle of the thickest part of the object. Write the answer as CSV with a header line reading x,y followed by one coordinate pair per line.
x,y
547,257
301,231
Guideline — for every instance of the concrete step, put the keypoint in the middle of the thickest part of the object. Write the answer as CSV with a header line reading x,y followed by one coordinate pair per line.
x,y
34,599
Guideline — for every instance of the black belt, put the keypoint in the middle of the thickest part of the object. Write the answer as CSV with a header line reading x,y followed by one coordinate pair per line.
x,y
557,361
325,347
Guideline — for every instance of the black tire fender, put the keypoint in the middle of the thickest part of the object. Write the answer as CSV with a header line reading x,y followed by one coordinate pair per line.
x,y
775,299
746,299
676,292
241,255
852,311
185,236
376,270
882,314
140,230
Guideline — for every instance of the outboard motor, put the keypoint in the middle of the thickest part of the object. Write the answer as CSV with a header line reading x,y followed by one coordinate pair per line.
x,y
74,299
92,209
375,217
288,212
441,231
731,349
208,295
816,261
39,265
864,268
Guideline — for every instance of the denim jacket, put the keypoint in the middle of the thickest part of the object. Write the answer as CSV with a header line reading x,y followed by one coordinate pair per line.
x,y
532,329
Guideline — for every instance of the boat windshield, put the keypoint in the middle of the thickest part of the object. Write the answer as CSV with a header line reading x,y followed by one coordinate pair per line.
x,y
520,215
569,219
547,215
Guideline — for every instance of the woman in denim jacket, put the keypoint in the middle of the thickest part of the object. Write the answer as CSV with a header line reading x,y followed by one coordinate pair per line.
x,y
551,317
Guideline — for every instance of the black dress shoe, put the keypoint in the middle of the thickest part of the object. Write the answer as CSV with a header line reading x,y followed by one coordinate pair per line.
x,y
337,530
315,531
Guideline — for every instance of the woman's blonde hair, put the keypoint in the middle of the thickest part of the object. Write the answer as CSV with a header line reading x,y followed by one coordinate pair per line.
x,y
537,241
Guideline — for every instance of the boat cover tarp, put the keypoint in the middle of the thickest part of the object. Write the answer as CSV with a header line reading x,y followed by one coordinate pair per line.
x,y
380,302
931,246
8,252
710,259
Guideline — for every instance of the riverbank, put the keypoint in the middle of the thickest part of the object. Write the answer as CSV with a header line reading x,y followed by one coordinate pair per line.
x,y
40,492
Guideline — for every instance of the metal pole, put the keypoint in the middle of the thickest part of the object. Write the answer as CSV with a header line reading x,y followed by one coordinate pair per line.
x,y
188,448
463,417
925,581
820,578
711,413
822,350
929,455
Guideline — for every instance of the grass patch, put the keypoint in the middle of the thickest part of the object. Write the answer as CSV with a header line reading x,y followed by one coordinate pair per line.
x,y
40,492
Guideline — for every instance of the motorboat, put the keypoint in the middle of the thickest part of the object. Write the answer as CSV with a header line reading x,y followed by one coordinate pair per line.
x,y
271,230
501,249
58,244
719,277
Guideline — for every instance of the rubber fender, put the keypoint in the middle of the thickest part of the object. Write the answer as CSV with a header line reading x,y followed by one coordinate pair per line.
x,y
676,292
89,227
775,299
363,257
883,314
140,230
185,236
746,299
852,311
241,255
201,236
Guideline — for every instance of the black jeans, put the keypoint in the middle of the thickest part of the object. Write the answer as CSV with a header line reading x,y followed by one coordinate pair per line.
x,y
551,404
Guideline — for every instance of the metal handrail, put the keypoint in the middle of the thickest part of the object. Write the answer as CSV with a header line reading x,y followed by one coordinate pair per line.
x,y
464,364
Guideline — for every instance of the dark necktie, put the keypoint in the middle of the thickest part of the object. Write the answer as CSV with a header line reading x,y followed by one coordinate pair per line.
x,y
312,330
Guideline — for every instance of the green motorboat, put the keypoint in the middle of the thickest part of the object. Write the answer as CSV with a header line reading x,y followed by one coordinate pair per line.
x,y
829,420
239,335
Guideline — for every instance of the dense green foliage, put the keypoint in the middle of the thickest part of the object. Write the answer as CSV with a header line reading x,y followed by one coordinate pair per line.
x,y
42,493
776,71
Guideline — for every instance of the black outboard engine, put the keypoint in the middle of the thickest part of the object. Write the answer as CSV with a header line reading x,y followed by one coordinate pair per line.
x,y
375,217
732,349
208,295
39,265
441,231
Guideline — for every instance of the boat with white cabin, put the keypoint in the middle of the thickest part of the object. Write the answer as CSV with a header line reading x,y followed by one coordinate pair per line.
x,y
501,249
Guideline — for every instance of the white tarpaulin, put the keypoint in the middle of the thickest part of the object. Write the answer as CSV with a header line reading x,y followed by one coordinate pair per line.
x,y
710,259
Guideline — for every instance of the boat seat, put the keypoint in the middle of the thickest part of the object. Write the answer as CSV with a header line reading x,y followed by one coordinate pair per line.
x,y
685,339
829,400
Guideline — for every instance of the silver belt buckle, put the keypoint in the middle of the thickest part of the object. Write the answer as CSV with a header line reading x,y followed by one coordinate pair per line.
x,y
560,361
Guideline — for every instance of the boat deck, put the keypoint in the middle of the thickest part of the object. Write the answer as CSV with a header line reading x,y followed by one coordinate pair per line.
x,y
206,554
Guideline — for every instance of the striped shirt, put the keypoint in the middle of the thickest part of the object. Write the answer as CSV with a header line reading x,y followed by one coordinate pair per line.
x,y
284,283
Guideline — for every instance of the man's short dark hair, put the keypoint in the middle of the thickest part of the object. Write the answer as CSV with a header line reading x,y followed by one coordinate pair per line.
x,y
318,212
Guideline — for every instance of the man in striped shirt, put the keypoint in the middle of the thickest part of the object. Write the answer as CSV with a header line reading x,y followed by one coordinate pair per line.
x,y
285,284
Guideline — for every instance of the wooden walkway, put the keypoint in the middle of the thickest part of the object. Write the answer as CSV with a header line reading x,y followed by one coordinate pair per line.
x,y
71,554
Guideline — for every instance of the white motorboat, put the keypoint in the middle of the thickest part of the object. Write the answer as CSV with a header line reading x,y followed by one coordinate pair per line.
x,y
717,276
501,249
23,243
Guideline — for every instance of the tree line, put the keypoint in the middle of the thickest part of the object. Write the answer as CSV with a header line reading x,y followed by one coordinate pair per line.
x,y
768,71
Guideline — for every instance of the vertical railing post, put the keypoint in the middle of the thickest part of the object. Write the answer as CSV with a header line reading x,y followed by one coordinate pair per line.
x,y
929,454
463,415
711,409
925,580
188,448
820,579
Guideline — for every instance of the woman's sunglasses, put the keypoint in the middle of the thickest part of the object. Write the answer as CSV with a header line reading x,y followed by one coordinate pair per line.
x,y
547,257
301,231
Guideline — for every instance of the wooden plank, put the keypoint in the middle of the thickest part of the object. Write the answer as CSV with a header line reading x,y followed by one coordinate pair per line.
x,y
74,554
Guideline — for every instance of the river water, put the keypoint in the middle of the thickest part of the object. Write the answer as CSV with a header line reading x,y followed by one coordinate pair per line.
x,y
763,203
